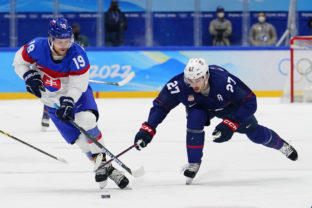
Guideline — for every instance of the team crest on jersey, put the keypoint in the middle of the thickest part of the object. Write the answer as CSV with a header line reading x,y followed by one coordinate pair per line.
x,y
51,84
190,98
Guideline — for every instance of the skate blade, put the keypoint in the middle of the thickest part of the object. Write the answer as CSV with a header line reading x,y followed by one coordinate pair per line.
x,y
44,128
188,181
102,184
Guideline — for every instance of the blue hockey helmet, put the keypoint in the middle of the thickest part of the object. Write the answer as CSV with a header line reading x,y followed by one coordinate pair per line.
x,y
59,28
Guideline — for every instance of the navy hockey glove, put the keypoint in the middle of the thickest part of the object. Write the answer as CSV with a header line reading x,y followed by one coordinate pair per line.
x,y
34,84
144,136
224,130
66,110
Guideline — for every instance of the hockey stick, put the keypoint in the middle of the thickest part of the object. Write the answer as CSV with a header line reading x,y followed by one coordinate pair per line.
x,y
123,152
98,161
136,173
121,83
52,156
140,171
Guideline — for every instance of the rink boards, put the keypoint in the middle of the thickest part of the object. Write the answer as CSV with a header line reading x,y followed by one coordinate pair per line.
x,y
264,70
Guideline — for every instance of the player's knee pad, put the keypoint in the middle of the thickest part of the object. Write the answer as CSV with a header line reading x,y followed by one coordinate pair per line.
x,y
194,144
86,119
196,118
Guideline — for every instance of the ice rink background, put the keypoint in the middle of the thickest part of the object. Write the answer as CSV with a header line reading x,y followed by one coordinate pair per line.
x,y
238,173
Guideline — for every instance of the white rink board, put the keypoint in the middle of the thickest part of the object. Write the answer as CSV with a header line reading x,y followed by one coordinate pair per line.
x,y
237,174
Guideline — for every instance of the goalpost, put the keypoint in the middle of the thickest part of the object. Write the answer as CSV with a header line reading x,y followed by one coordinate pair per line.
x,y
298,86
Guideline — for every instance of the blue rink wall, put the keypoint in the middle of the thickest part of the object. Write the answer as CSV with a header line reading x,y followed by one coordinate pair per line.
x,y
173,21
263,69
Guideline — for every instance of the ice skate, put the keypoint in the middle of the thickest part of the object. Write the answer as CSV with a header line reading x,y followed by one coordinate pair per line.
x,y
45,121
289,151
102,171
190,171
118,177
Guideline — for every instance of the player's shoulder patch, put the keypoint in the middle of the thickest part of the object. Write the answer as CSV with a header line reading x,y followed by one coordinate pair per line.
x,y
79,60
36,46
34,49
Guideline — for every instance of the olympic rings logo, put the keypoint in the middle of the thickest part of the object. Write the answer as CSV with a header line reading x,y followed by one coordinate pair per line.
x,y
302,69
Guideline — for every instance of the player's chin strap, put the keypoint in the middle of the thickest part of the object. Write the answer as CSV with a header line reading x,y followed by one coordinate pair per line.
x,y
50,42
207,78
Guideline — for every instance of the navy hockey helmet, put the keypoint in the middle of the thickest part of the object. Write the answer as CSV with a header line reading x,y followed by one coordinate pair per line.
x,y
59,28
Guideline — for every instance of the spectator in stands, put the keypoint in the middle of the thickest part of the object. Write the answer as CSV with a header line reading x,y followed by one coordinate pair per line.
x,y
220,28
262,33
115,25
79,39
310,26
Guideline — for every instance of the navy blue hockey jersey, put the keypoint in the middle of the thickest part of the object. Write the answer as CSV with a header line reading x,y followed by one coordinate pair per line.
x,y
228,97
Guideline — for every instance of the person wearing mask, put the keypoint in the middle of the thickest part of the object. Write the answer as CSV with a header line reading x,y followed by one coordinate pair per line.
x,y
262,33
115,25
81,40
310,25
221,29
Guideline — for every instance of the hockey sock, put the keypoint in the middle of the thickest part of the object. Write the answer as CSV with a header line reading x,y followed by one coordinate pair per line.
x,y
194,145
265,136
87,146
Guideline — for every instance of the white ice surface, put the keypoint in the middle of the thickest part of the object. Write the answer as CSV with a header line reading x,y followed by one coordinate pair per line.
x,y
237,174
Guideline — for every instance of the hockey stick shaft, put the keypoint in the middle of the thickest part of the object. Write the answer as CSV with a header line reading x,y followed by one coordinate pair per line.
x,y
106,151
103,82
123,152
44,152
120,83
136,173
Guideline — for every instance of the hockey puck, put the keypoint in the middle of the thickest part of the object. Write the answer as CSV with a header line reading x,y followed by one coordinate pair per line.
x,y
105,196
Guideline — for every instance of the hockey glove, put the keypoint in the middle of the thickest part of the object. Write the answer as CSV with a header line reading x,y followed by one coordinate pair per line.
x,y
66,110
224,131
144,136
34,84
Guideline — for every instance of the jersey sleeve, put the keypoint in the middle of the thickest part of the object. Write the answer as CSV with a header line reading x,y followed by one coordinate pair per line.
x,y
162,105
26,56
78,75
23,59
20,65
243,98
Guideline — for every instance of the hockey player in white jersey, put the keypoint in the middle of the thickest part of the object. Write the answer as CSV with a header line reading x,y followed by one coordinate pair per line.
x,y
56,70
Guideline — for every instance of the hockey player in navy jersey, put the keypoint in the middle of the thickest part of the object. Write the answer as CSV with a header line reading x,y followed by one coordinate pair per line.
x,y
56,70
207,92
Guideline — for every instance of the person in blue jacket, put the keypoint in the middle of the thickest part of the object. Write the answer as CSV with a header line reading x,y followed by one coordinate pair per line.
x,y
208,92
